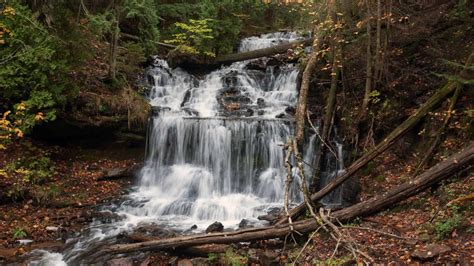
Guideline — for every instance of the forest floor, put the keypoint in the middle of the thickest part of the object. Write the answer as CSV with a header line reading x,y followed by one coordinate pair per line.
x,y
70,202
422,229
427,228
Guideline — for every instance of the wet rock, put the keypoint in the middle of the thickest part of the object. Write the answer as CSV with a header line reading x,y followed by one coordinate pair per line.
x,y
190,111
271,216
290,110
259,64
256,74
192,228
186,98
231,79
268,217
108,217
250,112
430,252
120,262
215,227
155,230
245,224
260,102
261,112
156,110
274,61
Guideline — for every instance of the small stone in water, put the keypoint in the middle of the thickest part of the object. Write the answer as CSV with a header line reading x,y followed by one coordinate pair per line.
x,y
215,227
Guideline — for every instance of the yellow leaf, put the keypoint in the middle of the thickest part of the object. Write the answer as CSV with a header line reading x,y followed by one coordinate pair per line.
x,y
39,116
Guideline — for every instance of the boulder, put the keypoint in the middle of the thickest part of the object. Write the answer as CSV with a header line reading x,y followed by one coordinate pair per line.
x,y
215,227
155,231
245,224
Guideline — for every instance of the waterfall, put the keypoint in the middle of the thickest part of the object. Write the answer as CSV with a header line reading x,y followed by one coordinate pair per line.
x,y
214,151
207,162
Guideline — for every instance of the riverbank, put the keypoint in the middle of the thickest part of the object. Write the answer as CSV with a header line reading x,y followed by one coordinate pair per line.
x,y
43,218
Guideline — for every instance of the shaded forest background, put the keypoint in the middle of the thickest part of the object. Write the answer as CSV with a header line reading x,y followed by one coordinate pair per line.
x,y
72,71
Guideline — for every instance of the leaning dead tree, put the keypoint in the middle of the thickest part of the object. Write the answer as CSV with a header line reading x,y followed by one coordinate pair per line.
x,y
396,134
435,174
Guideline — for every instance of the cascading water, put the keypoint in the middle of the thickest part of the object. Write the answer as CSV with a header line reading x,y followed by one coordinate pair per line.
x,y
214,150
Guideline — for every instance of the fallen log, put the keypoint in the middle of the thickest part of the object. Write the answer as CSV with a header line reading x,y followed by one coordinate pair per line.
x,y
381,147
202,62
200,251
433,175
278,49
398,132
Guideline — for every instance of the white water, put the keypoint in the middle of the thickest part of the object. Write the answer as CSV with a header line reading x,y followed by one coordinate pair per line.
x,y
268,40
201,168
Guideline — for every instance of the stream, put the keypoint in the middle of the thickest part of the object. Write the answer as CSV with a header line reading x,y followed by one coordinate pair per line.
x,y
214,152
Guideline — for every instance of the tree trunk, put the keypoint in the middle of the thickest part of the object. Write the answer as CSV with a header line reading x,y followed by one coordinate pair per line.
x,y
434,100
435,174
308,72
378,41
381,147
328,116
433,144
444,169
368,70
113,51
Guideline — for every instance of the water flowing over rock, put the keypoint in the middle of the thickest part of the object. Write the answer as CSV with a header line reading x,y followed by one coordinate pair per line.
x,y
214,150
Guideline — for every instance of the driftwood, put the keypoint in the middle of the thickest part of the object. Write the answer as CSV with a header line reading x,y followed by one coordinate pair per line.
x,y
403,128
433,175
